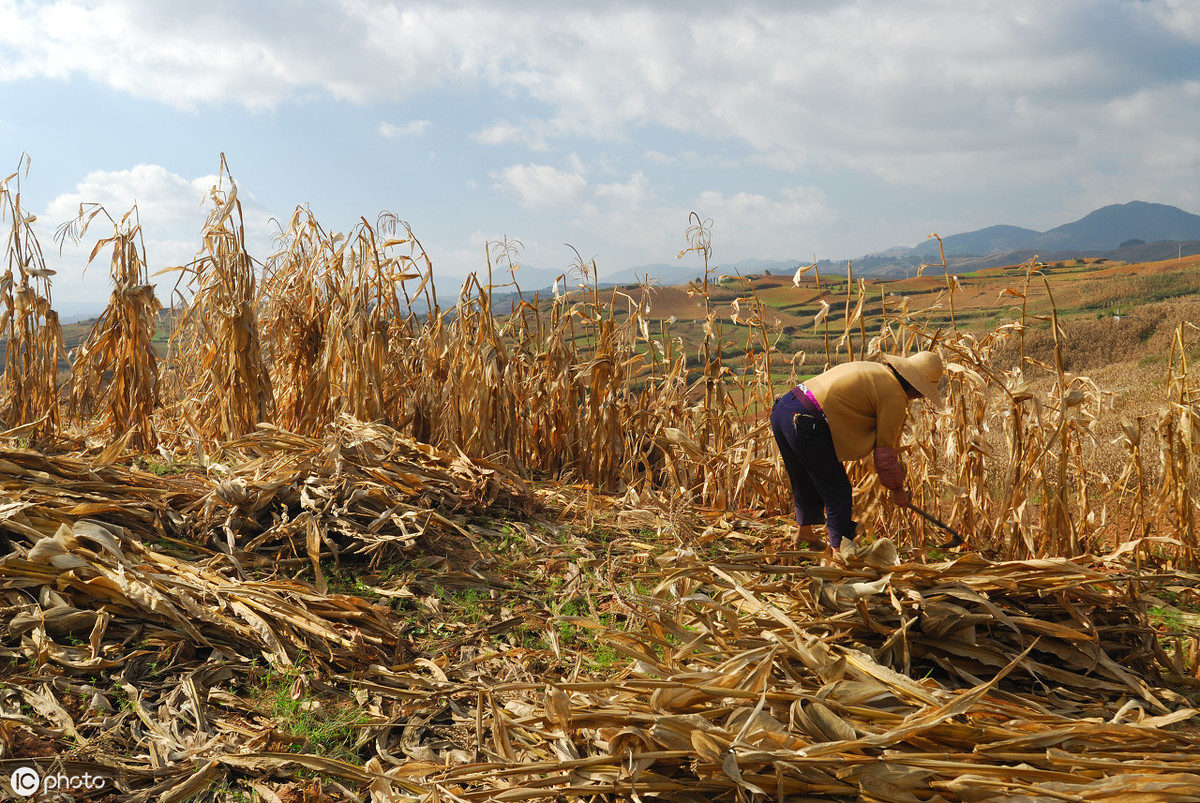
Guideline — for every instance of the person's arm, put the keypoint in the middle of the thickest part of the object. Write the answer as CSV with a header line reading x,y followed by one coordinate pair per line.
x,y
891,474
889,468
888,426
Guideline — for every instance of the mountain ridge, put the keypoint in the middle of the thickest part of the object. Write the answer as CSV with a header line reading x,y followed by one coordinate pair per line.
x,y
1107,229
1136,231
1133,231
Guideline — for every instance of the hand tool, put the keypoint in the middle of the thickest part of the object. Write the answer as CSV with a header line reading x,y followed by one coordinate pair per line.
x,y
956,539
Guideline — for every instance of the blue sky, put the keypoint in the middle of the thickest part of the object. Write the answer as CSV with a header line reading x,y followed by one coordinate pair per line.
x,y
802,129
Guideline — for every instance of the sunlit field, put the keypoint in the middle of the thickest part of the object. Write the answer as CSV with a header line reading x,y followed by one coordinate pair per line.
x,y
292,526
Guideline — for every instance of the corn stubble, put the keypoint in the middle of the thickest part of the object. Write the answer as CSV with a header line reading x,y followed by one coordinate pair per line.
x,y
322,413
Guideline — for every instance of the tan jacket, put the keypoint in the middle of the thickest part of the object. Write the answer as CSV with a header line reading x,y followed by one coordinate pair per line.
x,y
864,404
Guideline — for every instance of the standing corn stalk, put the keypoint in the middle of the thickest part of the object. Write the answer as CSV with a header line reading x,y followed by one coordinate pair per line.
x,y
28,323
116,368
296,316
215,353
363,281
1177,426
339,337
952,282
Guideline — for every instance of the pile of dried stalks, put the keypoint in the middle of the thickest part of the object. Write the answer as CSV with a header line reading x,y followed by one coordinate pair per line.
x,y
364,491
144,655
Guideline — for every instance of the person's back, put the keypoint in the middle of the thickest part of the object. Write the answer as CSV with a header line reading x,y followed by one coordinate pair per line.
x,y
865,405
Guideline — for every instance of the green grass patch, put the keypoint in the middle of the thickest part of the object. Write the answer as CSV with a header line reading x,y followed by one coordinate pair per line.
x,y
319,724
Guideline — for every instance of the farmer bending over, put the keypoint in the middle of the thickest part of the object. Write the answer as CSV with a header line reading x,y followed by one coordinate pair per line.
x,y
847,412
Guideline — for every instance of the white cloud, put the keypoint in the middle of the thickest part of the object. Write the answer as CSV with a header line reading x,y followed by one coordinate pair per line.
x,y
501,133
776,226
541,185
631,194
172,211
1064,103
157,192
627,223
505,132
1181,16
410,129
859,84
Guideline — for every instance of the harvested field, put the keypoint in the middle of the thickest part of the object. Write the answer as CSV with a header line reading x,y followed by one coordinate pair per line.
x,y
506,643
341,543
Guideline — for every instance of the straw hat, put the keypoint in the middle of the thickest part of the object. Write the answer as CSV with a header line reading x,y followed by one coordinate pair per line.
x,y
922,370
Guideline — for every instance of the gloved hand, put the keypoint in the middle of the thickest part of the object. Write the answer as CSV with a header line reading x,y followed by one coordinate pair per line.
x,y
900,498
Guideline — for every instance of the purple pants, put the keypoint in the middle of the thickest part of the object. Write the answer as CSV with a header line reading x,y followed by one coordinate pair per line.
x,y
820,488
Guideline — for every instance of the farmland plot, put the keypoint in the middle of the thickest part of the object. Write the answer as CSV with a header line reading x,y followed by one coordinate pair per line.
x,y
351,545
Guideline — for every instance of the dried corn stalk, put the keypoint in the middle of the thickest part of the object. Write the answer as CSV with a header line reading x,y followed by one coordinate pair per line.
x,y
33,336
219,376
115,369
340,339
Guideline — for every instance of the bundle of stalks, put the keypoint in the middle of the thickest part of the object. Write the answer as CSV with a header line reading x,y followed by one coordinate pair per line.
x,y
334,323
43,492
99,568
962,620
28,322
296,317
115,369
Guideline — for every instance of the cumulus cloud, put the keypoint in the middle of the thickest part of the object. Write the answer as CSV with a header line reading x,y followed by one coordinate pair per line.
x,y
858,82
157,192
624,218
506,132
631,194
766,225
946,99
171,209
501,133
541,185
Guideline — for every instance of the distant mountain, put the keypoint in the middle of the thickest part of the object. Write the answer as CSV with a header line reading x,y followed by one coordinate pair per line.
x,y
1105,229
1132,232
991,240
1128,232
665,274
1110,226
